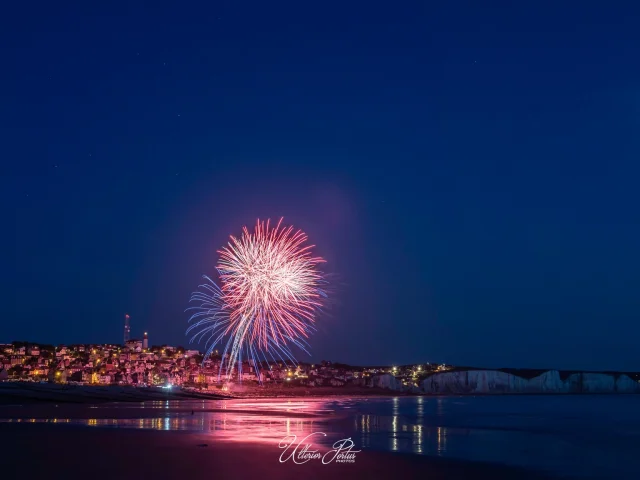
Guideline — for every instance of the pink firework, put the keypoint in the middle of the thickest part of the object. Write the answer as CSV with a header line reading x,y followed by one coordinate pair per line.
x,y
271,286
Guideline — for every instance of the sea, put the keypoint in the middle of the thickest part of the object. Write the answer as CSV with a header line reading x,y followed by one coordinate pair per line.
x,y
579,436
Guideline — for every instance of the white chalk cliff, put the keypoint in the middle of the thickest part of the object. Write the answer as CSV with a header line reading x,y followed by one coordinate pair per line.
x,y
386,380
492,381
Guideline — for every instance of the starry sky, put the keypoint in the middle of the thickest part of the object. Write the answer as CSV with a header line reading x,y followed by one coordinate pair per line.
x,y
469,172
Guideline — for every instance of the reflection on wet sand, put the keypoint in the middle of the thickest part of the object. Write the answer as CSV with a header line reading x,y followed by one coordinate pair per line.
x,y
402,435
245,421
227,426
268,421
558,434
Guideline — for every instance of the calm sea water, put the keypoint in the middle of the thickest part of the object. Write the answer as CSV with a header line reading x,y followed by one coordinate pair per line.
x,y
596,436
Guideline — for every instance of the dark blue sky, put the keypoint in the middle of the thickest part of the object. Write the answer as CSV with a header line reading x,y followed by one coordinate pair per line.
x,y
470,173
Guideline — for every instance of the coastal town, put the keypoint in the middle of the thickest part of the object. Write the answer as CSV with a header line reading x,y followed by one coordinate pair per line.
x,y
138,364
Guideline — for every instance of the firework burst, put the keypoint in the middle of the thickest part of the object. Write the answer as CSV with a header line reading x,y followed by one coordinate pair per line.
x,y
271,291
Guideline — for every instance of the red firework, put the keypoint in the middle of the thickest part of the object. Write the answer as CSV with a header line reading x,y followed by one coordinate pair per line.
x,y
271,285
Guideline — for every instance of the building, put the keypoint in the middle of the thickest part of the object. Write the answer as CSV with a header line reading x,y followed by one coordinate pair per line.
x,y
134,345
145,342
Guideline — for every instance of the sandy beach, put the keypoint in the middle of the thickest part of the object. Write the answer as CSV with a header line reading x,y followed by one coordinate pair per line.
x,y
440,437
55,451
12,393
32,392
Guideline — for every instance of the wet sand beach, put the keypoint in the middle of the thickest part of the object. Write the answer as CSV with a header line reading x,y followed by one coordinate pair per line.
x,y
55,451
590,437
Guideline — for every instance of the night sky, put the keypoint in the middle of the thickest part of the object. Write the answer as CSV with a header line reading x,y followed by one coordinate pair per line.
x,y
469,172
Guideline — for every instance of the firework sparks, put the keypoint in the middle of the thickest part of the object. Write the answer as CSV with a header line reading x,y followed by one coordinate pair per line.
x,y
271,290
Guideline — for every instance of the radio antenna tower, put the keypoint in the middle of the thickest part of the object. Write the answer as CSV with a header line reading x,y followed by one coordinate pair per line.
x,y
127,328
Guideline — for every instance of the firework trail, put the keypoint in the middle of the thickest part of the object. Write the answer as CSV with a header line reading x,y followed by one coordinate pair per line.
x,y
271,291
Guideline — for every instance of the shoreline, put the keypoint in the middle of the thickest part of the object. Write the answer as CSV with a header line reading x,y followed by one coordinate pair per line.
x,y
12,393
26,393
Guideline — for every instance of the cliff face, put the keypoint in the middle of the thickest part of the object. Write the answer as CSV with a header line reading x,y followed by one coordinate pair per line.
x,y
624,384
386,380
547,382
597,383
491,381
474,381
